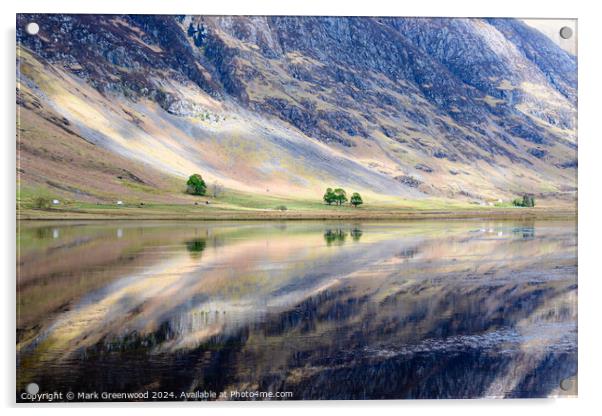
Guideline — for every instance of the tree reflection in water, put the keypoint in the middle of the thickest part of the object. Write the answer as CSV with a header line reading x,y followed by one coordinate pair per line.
x,y
417,310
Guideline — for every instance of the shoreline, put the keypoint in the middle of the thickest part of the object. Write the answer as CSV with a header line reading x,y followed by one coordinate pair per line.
x,y
394,215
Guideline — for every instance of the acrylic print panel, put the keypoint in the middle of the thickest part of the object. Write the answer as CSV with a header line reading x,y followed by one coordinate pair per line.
x,y
291,208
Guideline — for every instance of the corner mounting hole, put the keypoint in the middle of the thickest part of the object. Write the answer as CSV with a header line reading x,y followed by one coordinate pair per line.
x,y
32,388
567,384
566,32
32,28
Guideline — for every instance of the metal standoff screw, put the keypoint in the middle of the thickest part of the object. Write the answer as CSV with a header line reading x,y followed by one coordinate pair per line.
x,y
32,28
566,32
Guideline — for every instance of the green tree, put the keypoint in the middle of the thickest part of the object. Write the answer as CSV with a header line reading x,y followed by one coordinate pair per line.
x,y
196,185
329,196
41,202
528,201
356,199
340,196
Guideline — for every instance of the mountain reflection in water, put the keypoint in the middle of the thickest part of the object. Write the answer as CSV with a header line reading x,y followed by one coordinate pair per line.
x,y
325,310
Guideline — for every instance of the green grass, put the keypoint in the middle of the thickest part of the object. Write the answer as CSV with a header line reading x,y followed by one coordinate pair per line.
x,y
27,195
242,200
243,205
507,204
135,186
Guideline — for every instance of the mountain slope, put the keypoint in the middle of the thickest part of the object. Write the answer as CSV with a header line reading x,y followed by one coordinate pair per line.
x,y
409,108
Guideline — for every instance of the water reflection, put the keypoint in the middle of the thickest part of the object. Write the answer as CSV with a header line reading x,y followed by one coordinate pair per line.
x,y
196,246
338,236
356,233
525,231
325,310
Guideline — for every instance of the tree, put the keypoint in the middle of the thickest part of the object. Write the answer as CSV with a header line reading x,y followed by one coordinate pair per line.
x,y
527,201
41,202
329,196
340,196
196,185
356,199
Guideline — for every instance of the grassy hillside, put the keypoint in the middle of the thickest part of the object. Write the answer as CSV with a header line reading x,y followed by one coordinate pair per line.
x,y
277,119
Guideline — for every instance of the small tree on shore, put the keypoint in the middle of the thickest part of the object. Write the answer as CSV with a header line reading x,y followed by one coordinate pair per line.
x,y
340,195
196,185
356,199
329,196
527,201
41,202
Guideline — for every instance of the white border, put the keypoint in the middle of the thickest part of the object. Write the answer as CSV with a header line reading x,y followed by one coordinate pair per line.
x,y
590,201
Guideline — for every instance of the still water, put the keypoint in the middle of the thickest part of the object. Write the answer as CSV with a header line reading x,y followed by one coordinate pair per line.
x,y
312,310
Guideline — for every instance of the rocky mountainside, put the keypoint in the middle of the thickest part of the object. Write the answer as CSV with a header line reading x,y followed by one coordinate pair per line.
x,y
471,109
